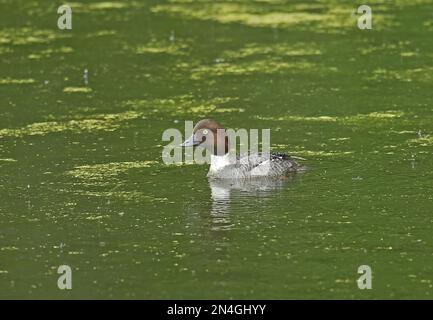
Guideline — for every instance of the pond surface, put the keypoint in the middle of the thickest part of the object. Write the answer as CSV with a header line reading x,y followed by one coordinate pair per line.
x,y
82,181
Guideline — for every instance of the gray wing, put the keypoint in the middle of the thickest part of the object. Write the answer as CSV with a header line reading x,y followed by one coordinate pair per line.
x,y
265,164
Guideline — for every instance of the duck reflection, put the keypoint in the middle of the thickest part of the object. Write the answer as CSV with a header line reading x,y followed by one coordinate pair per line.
x,y
231,211
224,192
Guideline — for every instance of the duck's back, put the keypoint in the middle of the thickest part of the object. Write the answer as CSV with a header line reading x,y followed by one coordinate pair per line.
x,y
258,165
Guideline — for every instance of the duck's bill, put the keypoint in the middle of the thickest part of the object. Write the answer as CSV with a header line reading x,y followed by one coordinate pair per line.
x,y
190,142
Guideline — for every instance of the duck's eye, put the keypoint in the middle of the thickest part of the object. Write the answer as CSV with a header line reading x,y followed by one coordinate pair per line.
x,y
205,131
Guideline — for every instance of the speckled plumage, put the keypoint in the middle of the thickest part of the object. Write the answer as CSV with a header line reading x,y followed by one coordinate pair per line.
x,y
255,165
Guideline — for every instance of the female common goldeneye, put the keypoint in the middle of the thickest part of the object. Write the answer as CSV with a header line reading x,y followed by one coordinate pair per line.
x,y
210,135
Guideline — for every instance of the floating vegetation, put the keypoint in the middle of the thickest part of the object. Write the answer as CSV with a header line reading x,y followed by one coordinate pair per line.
x,y
419,74
125,195
317,17
17,81
235,13
282,49
379,115
97,217
103,6
409,54
254,58
102,33
107,5
4,50
9,248
424,141
310,153
182,105
389,47
163,46
391,114
428,24
263,66
340,139
49,52
107,170
108,175
404,132
77,90
104,122
27,36
300,118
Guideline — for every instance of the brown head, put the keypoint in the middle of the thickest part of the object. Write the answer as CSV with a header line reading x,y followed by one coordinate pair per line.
x,y
209,134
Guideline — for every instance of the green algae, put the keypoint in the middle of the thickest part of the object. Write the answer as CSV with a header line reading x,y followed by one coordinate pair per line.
x,y
155,46
354,104
29,36
101,33
298,49
305,154
253,58
110,175
359,118
91,7
264,66
48,53
182,105
5,50
333,17
105,171
300,118
102,122
77,90
423,141
398,47
424,74
124,195
7,81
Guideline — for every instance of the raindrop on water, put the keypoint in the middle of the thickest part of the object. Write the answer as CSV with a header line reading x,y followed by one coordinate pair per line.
x,y
172,36
86,77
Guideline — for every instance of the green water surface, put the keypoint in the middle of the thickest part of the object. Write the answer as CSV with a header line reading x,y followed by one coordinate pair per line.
x,y
82,181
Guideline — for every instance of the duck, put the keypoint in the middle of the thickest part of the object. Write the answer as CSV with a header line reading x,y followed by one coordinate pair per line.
x,y
210,135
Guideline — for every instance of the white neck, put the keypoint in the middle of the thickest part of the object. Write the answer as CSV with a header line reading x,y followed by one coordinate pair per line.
x,y
219,162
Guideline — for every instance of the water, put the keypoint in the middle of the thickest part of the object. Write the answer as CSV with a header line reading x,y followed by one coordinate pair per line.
x,y
82,181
